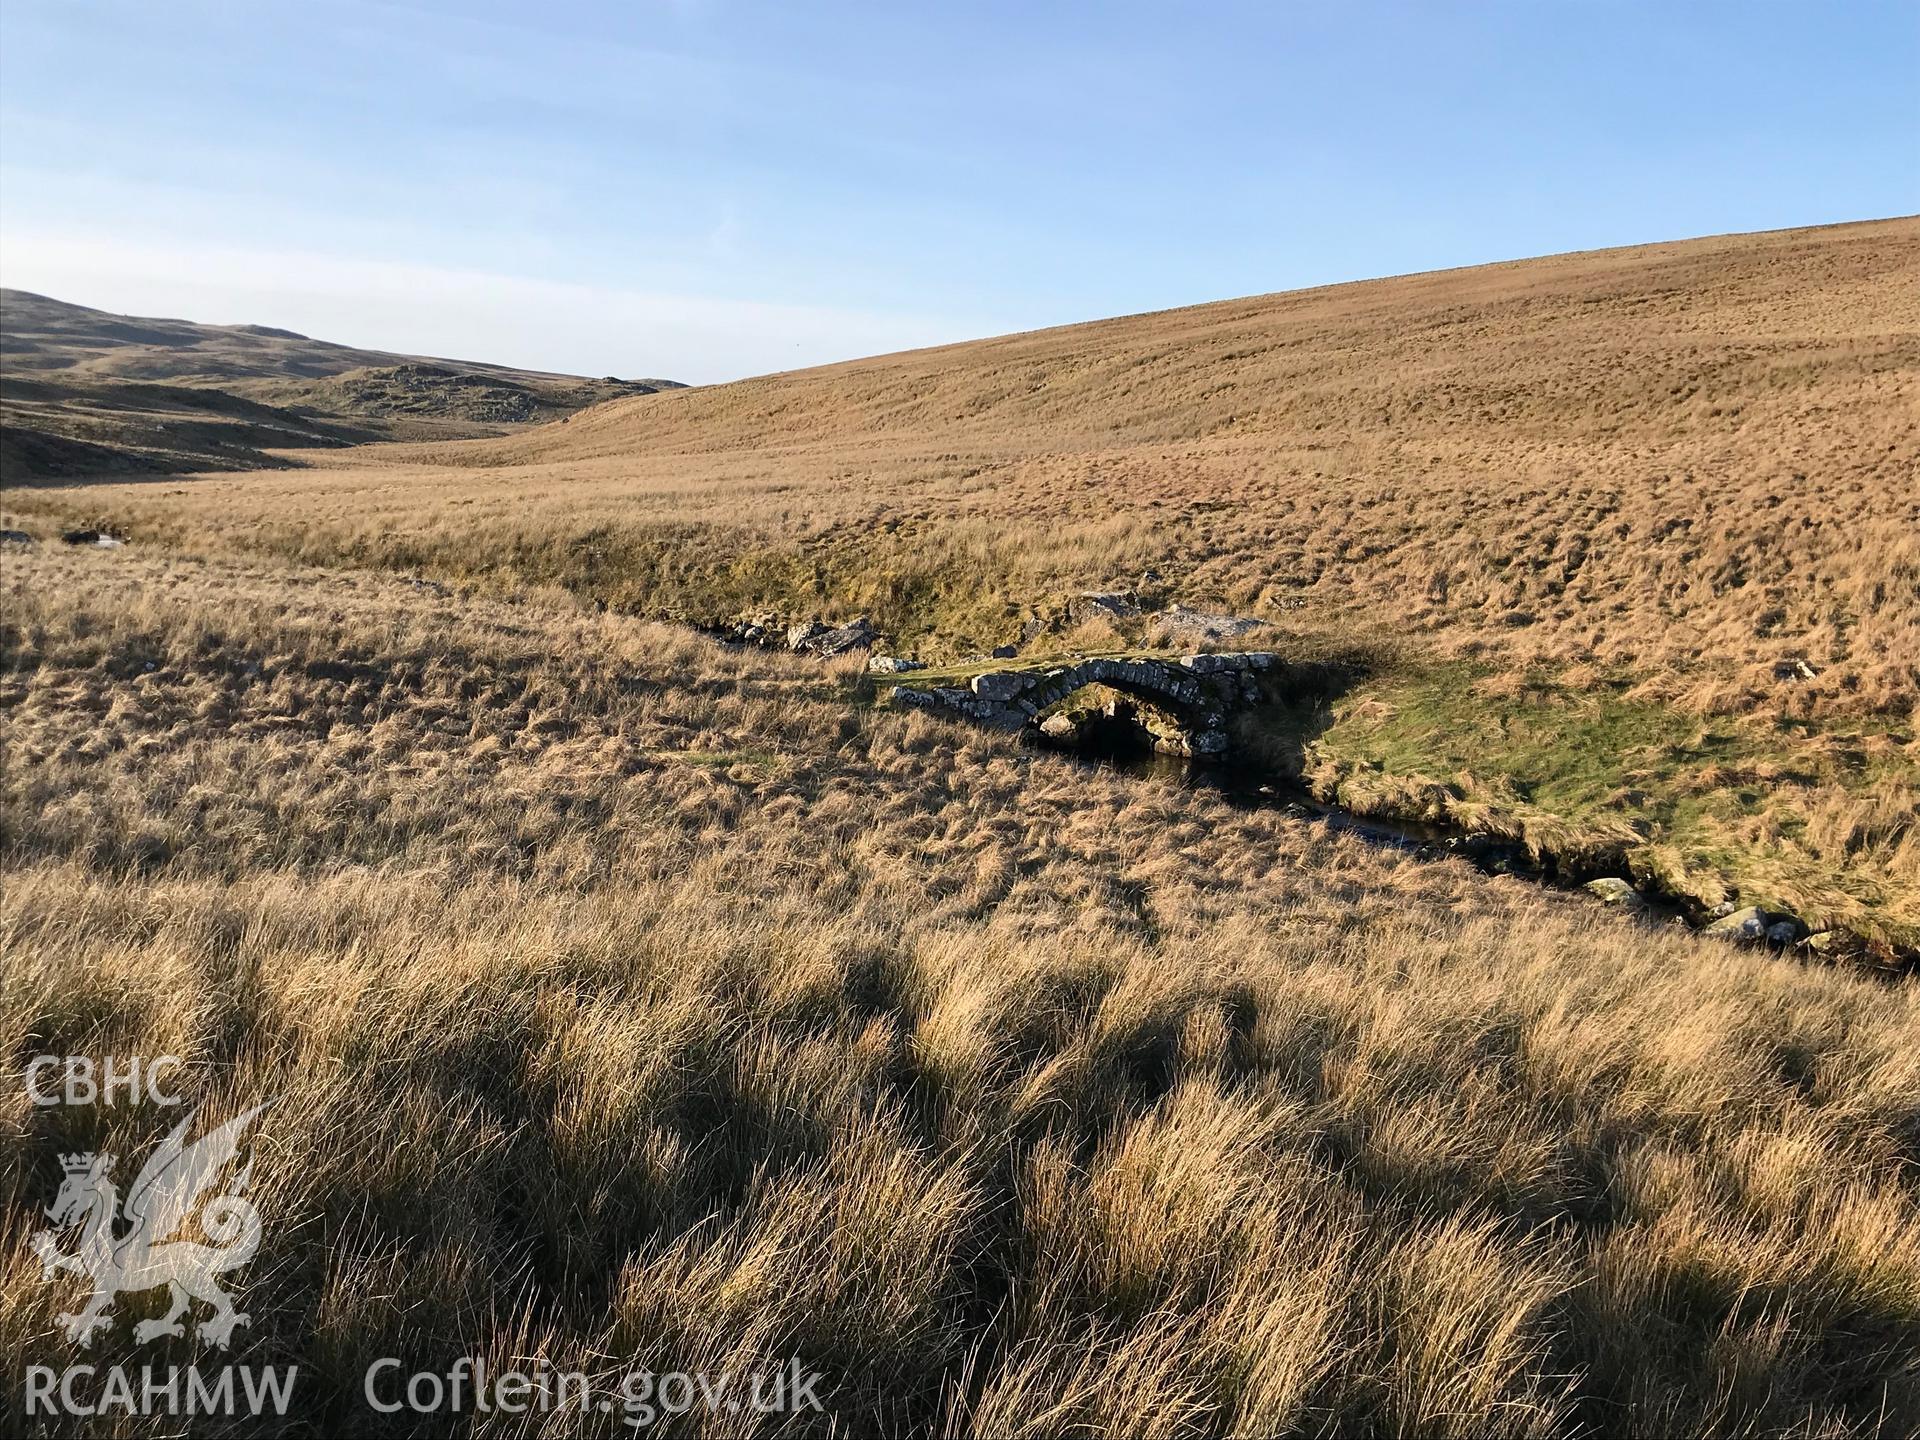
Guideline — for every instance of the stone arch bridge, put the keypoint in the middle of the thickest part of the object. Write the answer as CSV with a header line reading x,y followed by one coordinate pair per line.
x,y
1198,693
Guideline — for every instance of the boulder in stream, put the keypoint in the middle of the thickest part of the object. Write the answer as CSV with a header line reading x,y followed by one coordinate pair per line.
x,y
1749,925
1612,890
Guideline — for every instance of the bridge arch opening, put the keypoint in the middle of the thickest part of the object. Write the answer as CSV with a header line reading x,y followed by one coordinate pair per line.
x,y
1111,723
1183,702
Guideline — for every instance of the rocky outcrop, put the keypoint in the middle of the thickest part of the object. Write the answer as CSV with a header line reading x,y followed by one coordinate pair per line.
x,y
806,637
1103,605
1191,627
1177,623
1197,692
1753,926
1748,924
838,640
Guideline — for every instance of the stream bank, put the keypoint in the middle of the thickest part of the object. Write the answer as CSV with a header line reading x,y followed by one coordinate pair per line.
x,y
1117,742
1241,725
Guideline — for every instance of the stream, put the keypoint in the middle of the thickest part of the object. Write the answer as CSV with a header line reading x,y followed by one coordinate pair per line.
x,y
1124,749
1119,742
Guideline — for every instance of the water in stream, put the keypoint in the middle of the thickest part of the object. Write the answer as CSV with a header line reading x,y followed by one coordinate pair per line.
x,y
1120,744
1118,741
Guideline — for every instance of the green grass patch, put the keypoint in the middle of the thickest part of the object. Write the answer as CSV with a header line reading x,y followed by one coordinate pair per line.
x,y
1712,807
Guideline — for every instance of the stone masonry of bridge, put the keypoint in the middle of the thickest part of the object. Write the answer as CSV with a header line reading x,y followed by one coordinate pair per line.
x,y
1200,693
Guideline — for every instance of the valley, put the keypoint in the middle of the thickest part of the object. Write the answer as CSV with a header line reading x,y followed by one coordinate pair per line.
x,y
620,849
1617,550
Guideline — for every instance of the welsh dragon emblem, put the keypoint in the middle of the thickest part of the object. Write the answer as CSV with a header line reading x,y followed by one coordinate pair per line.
x,y
162,1198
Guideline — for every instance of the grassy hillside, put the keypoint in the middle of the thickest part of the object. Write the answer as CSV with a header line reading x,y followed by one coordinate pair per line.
x,y
1631,539
55,428
90,393
632,1001
1690,458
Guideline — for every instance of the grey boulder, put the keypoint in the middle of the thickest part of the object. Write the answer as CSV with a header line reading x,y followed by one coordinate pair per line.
x,y
1181,623
1103,605
1749,924
1614,891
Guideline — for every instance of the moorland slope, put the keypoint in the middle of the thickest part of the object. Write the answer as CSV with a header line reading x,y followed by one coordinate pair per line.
x,y
1623,547
627,1000
86,393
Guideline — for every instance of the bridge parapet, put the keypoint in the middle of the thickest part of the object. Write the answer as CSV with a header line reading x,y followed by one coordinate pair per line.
x,y
1199,691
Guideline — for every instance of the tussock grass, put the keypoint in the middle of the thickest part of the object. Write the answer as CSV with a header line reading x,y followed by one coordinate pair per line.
x,y
1689,461
1673,484
1813,818
1014,1098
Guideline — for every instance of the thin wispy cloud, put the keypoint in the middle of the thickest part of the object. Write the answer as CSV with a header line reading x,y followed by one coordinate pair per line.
x,y
788,184
463,313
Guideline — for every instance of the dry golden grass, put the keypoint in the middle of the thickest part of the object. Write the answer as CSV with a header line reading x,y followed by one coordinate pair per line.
x,y
1694,460
1678,477
635,1002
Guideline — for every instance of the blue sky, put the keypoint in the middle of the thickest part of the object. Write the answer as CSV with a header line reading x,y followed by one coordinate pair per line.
x,y
707,189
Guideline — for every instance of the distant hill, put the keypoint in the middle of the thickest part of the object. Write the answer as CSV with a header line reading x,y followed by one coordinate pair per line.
x,y
85,392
